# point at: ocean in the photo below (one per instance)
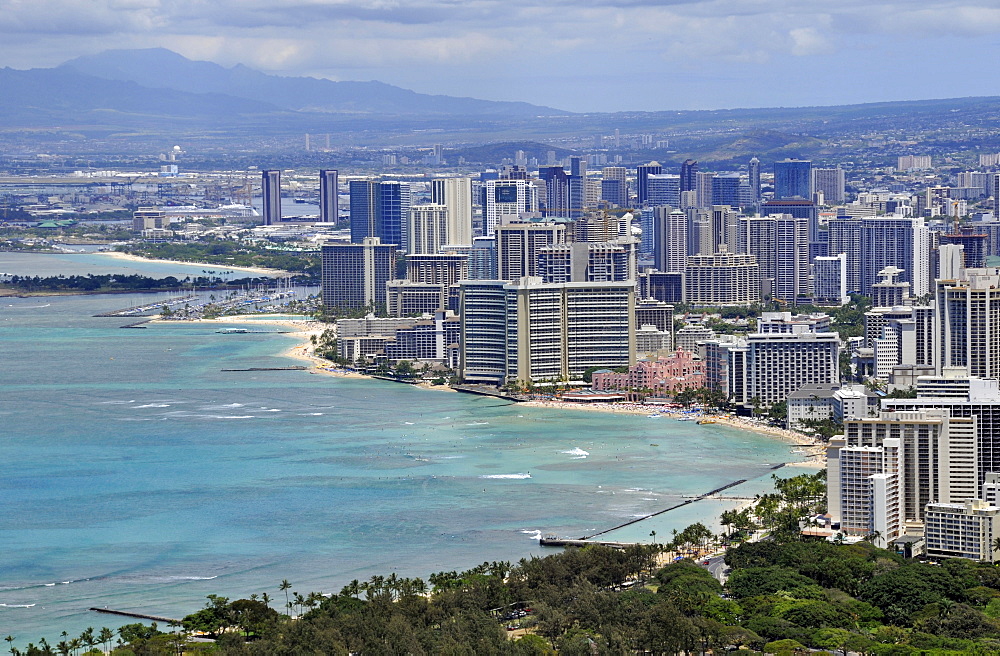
(138, 475)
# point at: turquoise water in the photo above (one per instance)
(98, 263)
(138, 475)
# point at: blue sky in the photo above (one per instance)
(581, 55)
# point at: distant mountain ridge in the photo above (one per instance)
(159, 68)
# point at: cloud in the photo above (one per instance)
(456, 46)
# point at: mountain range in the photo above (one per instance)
(133, 86)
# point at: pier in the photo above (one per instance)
(140, 616)
(297, 367)
(666, 510)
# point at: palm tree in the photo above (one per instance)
(10, 642)
(996, 544)
(285, 586)
(266, 598)
(105, 636)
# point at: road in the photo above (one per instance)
(717, 567)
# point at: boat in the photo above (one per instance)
(707, 421)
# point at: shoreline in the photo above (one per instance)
(813, 453)
(118, 255)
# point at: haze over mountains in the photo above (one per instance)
(155, 94)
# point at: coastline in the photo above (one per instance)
(813, 454)
(277, 273)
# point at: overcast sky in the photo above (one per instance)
(581, 55)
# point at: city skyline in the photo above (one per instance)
(644, 55)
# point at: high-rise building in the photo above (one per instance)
(670, 239)
(558, 331)
(726, 190)
(329, 198)
(962, 530)
(901, 242)
(863, 488)
(899, 336)
(938, 463)
(663, 189)
(754, 179)
(781, 363)
(830, 279)
(964, 398)
(394, 212)
(831, 182)
(508, 197)
(703, 185)
(689, 175)
(780, 245)
(364, 209)
(270, 189)
(793, 179)
(642, 173)
(974, 243)
(456, 195)
(483, 356)
(701, 237)
(518, 245)
(726, 229)
(667, 287)
(556, 191)
(380, 209)
(844, 236)
(586, 262)
(722, 279)
(428, 231)
(800, 209)
(968, 322)
(909, 162)
(530, 331)
(578, 201)
(354, 275)
(614, 189)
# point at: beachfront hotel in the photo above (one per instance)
(532, 331)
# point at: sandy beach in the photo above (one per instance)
(280, 273)
(813, 450)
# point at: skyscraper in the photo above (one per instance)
(556, 191)
(844, 234)
(328, 199)
(670, 239)
(793, 179)
(663, 189)
(577, 187)
(456, 195)
(270, 189)
(689, 175)
(968, 322)
(831, 183)
(394, 212)
(754, 174)
(518, 245)
(354, 275)
(780, 244)
(364, 209)
(642, 172)
(507, 197)
(613, 187)
(703, 185)
(380, 209)
(428, 230)
(901, 242)
(726, 190)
